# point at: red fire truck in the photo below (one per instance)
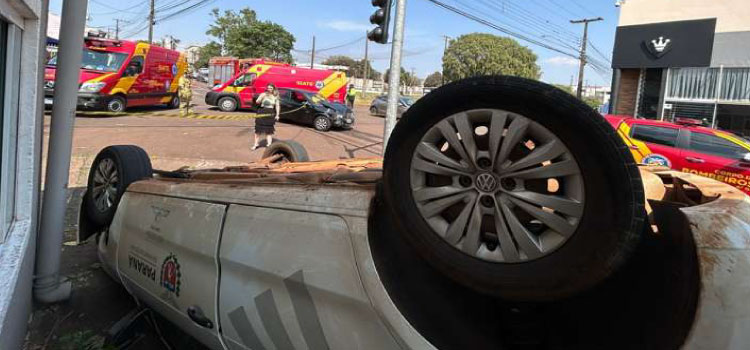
(116, 74)
(241, 90)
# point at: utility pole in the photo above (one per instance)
(582, 58)
(312, 58)
(366, 67)
(151, 23)
(395, 72)
(117, 28)
(447, 39)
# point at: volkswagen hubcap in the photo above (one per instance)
(497, 186)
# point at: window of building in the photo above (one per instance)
(735, 85)
(710, 144)
(693, 83)
(655, 134)
(10, 55)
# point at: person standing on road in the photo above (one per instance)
(351, 95)
(185, 93)
(268, 114)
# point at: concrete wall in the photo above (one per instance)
(732, 15)
(17, 251)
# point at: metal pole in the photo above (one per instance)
(312, 58)
(117, 29)
(445, 49)
(151, 23)
(366, 66)
(47, 285)
(394, 78)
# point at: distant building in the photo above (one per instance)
(688, 58)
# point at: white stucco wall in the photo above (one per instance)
(17, 251)
(732, 15)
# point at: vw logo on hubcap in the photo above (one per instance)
(486, 182)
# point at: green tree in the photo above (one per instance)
(434, 80)
(356, 67)
(242, 35)
(407, 79)
(212, 49)
(486, 54)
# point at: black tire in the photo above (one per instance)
(291, 152)
(131, 164)
(322, 123)
(613, 212)
(373, 111)
(117, 104)
(227, 104)
(174, 103)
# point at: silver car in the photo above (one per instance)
(379, 105)
(521, 221)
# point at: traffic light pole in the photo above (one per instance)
(394, 78)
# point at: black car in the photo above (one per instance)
(310, 108)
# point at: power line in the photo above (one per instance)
(501, 29)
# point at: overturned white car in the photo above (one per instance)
(505, 215)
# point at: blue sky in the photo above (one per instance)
(337, 22)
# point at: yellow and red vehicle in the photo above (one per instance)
(116, 74)
(688, 147)
(241, 90)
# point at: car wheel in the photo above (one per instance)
(373, 111)
(117, 104)
(112, 171)
(289, 152)
(228, 104)
(513, 188)
(322, 123)
(174, 103)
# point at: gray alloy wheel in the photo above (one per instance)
(525, 187)
(116, 105)
(105, 182)
(322, 123)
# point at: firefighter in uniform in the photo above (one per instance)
(186, 95)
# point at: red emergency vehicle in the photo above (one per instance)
(688, 147)
(116, 74)
(245, 86)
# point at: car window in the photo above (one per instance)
(710, 144)
(285, 94)
(655, 134)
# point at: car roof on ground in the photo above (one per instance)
(620, 118)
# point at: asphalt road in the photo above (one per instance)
(163, 134)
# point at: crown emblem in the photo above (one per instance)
(658, 47)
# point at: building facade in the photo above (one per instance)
(22, 42)
(684, 59)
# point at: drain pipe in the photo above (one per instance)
(47, 285)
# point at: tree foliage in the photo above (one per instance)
(356, 67)
(434, 80)
(242, 35)
(593, 102)
(407, 79)
(486, 54)
(205, 53)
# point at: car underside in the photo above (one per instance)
(487, 225)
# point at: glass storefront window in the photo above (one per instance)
(735, 85)
(693, 83)
(10, 55)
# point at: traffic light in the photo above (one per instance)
(381, 18)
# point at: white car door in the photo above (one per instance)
(289, 280)
(167, 257)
